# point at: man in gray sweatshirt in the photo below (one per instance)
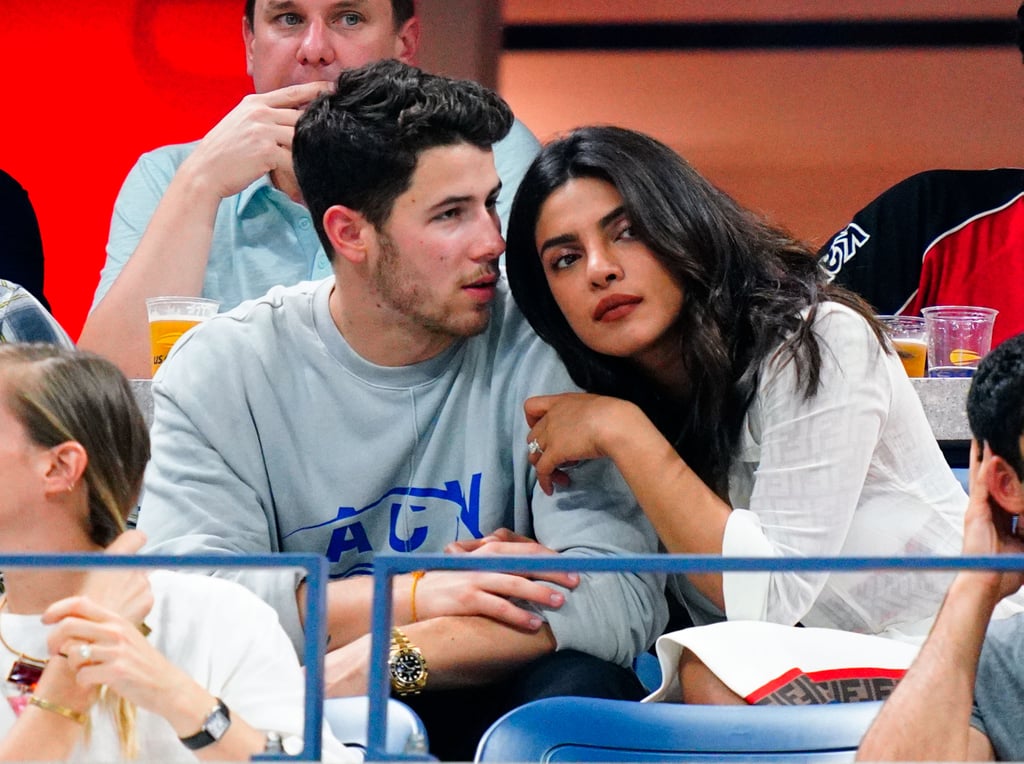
(381, 409)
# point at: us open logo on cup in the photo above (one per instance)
(963, 357)
(171, 317)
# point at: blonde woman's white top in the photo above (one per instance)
(221, 635)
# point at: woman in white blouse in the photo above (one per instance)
(754, 409)
(117, 665)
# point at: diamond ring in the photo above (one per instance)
(534, 448)
(85, 651)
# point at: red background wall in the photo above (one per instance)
(87, 87)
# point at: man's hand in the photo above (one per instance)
(507, 542)
(988, 528)
(253, 139)
(441, 593)
(500, 541)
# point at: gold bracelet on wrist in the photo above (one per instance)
(416, 576)
(67, 713)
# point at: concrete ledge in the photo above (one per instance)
(945, 402)
(143, 390)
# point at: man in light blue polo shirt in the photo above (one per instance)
(222, 217)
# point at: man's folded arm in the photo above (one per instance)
(612, 616)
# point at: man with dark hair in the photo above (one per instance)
(995, 405)
(381, 410)
(963, 698)
(940, 237)
(223, 217)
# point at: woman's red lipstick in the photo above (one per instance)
(615, 306)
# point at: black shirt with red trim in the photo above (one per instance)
(941, 237)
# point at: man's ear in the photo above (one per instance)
(349, 232)
(247, 38)
(407, 41)
(1005, 487)
(65, 465)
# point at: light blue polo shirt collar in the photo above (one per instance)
(252, 189)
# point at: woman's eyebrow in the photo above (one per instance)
(611, 216)
(554, 241)
(569, 238)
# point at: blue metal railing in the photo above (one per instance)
(386, 566)
(315, 567)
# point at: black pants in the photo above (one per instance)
(456, 719)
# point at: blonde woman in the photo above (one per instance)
(111, 666)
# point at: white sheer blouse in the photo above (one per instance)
(854, 470)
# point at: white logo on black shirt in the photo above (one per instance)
(843, 247)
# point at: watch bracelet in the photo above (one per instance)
(401, 643)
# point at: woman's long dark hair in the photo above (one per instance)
(744, 285)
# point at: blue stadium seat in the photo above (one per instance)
(962, 474)
(347, 718)
(648, 671)
(593, 729)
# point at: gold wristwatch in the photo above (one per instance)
(406, 665)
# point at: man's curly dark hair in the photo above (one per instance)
(360, 145)
(995, 402)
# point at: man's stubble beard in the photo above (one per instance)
(404, 296)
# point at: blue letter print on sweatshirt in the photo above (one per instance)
(350, 535)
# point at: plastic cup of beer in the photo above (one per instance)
(171, 317)
(959, 336)
(909, 338)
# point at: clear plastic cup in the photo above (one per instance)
(171, 317)
(909, 337)
(959, 336)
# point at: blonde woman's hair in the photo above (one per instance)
(60, 395)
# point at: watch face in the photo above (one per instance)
(213, 728)
(217, 724)
(407, 668)
(274, 743)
